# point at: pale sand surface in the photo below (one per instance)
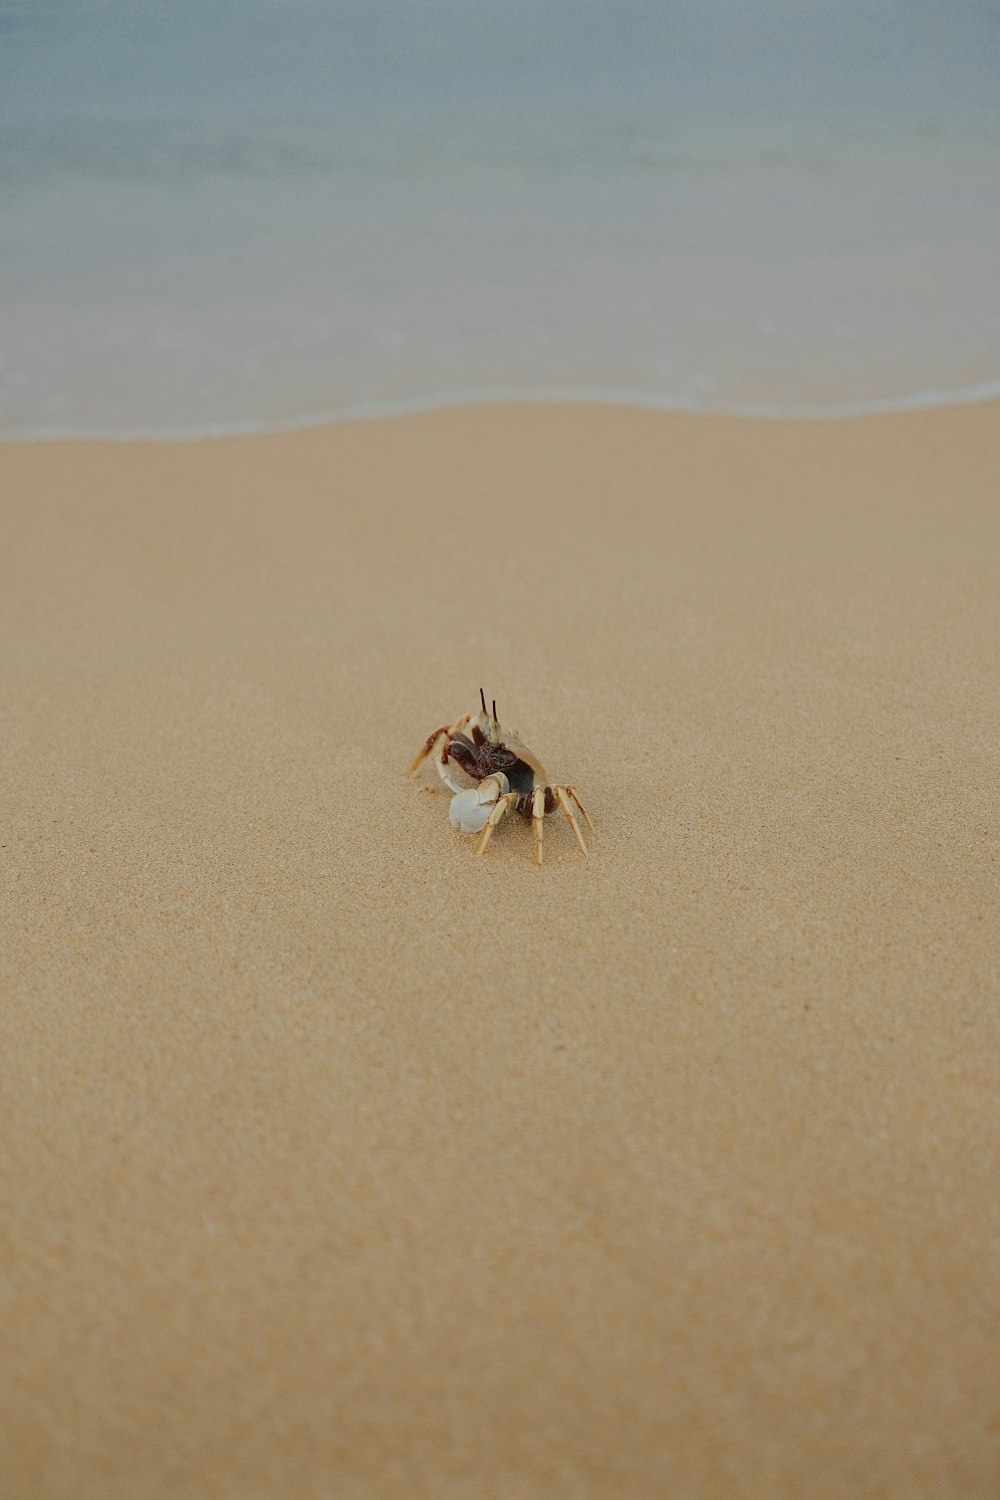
(337, 1163)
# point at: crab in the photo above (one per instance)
(505, 774)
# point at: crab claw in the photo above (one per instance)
(470, 810)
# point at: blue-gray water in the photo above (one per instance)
(246, 211)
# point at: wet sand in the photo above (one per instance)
(337, 1162)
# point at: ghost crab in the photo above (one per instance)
(505, 773)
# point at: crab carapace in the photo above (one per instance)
(504, 773)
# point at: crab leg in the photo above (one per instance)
(560, 792)
(502, 806)
(442, 739)
(441, 758)
(580, 805)
(537, 820)
(429, 744)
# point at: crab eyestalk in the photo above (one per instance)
(489, 723)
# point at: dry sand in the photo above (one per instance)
(338, 1163)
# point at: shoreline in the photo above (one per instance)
(944, 399)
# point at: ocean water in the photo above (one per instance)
(226, 214)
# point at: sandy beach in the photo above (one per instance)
(339, 1163)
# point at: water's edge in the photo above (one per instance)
(928, 400)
